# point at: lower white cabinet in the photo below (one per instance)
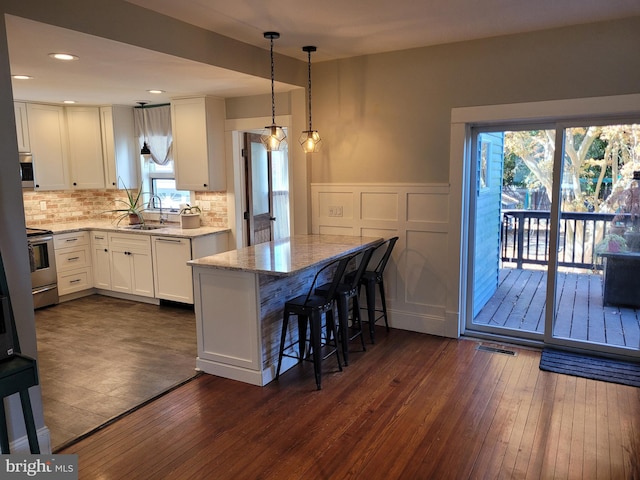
(131, 264)
(73, 262)
(100, 259)
(172, 276)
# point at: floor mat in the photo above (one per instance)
(586, 366)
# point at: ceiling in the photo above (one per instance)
(339, 29)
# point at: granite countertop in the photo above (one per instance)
(287, 256)
(167, 229)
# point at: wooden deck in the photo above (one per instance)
(518, 304)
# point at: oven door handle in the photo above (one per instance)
(43, 289)
(39, 239)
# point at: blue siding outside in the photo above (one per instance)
(487, 218)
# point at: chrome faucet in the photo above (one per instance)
(163, 218)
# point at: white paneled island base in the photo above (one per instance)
(240, 295)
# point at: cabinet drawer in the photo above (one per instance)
(72, 258)
(100, 238)
(131, 242)
(74, 239)
(74, 281)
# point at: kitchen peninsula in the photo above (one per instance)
(239, 297)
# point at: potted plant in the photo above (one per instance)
(190, 216)
(131, 208)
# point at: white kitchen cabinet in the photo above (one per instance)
(172, 276)
(119, 146)
(73, 262)
(85, 147)
(100, 260)
(49, 145)
(131, 264)
(198, 143)
(22, 127)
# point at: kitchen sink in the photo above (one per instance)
(145, 227)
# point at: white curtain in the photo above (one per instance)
(157, 122)
(280, 184)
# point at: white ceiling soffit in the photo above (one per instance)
(110, 72)
(350, 28)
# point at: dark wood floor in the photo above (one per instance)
(412, 406)
(519, 304)
(100, 356)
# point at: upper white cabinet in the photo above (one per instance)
(119, 148)
(198, 143)
(22, 127)
(48, 138)
(85, 147)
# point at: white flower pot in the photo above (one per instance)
(189, 220)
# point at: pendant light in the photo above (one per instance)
(144, 151)
(310, 139)
(273, 137)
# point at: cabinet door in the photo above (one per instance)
(85, 147)
(22, 128)
(171, 273)
(48, 137)
(142, 273)
(119, 146)
(120, 261)
(101, 261)
(198, 143)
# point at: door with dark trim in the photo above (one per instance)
(259, 189)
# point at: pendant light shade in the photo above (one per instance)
(144, 151)
(273, 137)
(310, 139)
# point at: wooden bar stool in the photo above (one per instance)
(310, 309)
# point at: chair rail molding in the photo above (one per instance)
(416, 278)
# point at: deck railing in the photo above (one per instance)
(525, 237)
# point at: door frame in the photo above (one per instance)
(236, 194)
(461, 166)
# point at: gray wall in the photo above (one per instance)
(386, 117)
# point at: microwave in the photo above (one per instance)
(26, 170)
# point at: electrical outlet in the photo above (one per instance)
(43, 205)
(335, 211)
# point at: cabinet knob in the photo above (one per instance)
(75, 184)
(205, 185)
(106, 250)
(37, 186)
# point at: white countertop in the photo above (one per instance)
(168, 229)
(287, 256)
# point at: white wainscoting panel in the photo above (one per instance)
(416, 277)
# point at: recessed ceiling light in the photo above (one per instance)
(63, 56)
(69, 101)
(155, 91)
(22, 77)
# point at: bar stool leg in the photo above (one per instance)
(4, 436)
(384, 303)
(370, 289)
(283, 337)
(356, 313)
(316, 332)
(343, 325)
(29, 423)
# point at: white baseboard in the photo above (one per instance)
(21, 445)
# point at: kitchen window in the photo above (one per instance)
(158, 173)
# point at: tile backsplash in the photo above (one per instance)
(67, 206)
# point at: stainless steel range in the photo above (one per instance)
(44, 281)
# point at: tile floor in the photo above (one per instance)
(100, 356)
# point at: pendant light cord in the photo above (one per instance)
(309, 53)
(273, 94)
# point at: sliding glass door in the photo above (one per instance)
(596, 291)
(553, 252)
